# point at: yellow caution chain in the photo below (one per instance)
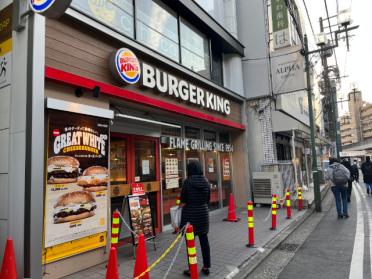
(166, 252)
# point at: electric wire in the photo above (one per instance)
(308, 17)
(330, 29)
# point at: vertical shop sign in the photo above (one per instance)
(279, 15)
(5, 46)
(75, 218)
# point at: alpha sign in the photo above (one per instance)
(125, 66)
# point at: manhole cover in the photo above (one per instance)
(290, 247)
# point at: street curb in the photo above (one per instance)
(248, 266)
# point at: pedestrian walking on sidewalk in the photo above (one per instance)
(195, 196)
(337, 176)
(355, 171)
(367, 174)
(347, 165)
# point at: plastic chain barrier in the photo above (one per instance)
(288, 204)
(273, 213)
(191, 252)
(250, 224)
(115, 228)
(166, 252)
(299, 194)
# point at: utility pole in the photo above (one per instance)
(317, 197)
(332, 93)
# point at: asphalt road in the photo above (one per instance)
(337, 248)
(324, 246)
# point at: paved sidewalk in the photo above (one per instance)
(227, 240)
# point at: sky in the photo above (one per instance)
(355, 64)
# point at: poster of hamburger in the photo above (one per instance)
(140, 216)
(77, 178)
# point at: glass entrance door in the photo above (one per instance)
(135, 159)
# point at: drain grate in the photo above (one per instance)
(290, 247)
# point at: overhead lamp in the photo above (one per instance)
(321, 39)
(344, 17)
(121, 115)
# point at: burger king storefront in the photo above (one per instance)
(121, 124)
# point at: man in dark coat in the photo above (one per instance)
(350, 182)
(355, 171)
(195, 196)
(367, 174)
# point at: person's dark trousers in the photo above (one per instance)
(206, 254)
(340, 193)
(349, 188)
(204, 245)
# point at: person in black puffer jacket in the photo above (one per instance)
(195, 196)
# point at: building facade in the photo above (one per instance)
(274, 84)
(111, 100)
(356, 124)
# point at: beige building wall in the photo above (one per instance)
(366, 119)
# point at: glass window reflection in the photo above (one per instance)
(194, 50)
(157, 27)
(117, 14)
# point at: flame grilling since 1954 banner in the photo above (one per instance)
(75, 218)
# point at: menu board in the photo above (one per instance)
(171, 173)
(226, 168)
(76, 184)
(140, 216)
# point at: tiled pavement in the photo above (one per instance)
(227, 240)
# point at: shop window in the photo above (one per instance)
(145, 160)
(194, 49)
(172, 177)
(170, 131)
(192, 133)
(118, 161)
(211, 173)
(226, 182)
(217, 72)
(210, 136)
(224, 138)
(157, 27)
(116, 14)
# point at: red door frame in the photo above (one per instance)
(131, 167)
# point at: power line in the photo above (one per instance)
(308, 17)
(330, 29)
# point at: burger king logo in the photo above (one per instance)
(127, 66)
(40, 6)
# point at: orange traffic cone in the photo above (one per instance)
(231, 215)
(112, 266)
(8, 269)
(141, 259)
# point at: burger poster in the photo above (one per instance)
(77, 177)
(140, 216)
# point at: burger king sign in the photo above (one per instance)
(126, 66)
(50, 8)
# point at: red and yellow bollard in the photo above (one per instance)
(115, 229)
(191, 252)
(273, 213)
(250, 224)
(288, 204)
(299, 195)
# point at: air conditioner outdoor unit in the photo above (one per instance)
(265, 184)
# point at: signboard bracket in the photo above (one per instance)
(20, 12)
